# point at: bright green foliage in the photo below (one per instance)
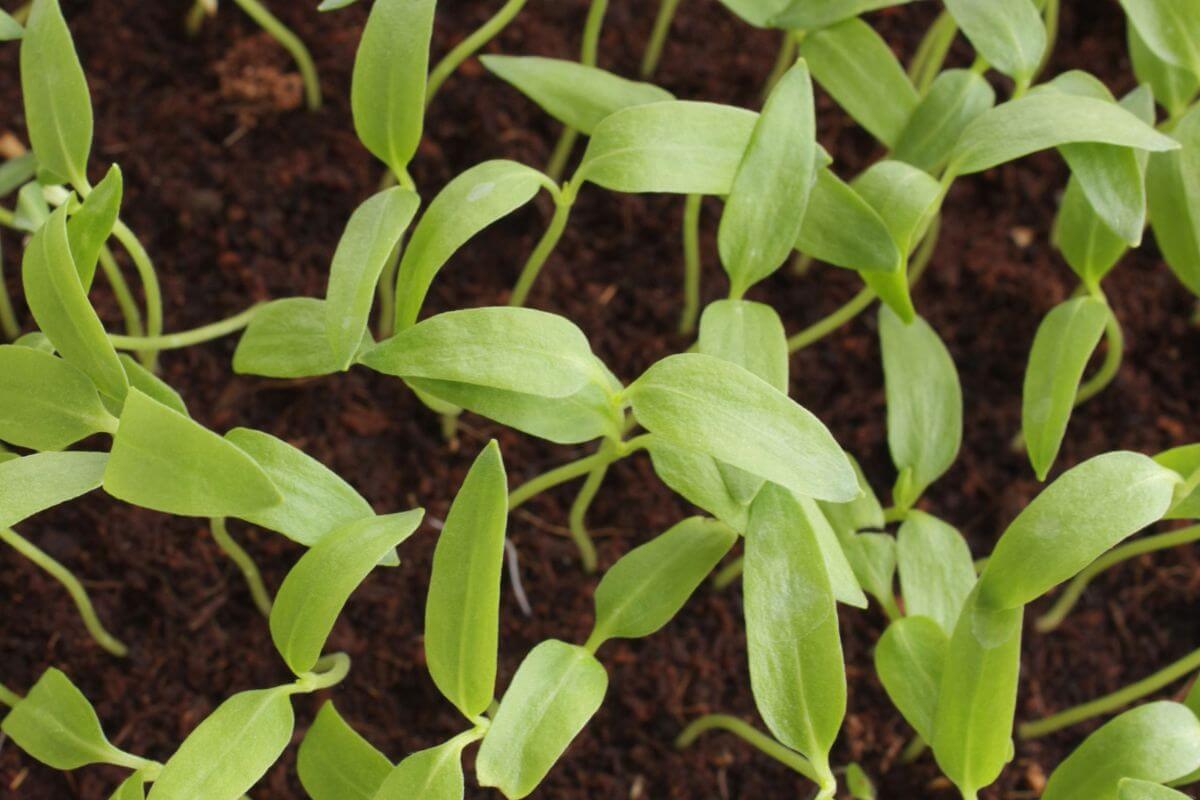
(862, 513)
(858, 784)
(841, 227)
(43, 480)
(1088, 245)
(1186, 462)
(1009, 34)
(936, 570)
(909, 659)
(650, 583)
(1170, 29)
(1075, 519)
(813, 14)
(336, 763)
(472, 201)
(387, 94)
(1064, 343)
(1173, 182)
(57, 725)
(287, 339)
(699, 479)
(1156, 742)
(680, 147)
(1133, 789)
(32, 209)
(954, 99)
(924, 404)
(1173, 86)
(370, 237)
(151, 385)
(766, 206)
(796, 670)
(90, 226)
(46, 403)
(435, 773)
(577, 95)
(556, 690)
(855, 65)
(164, 460)
(872, 557)
(58, 108)
(972, 726)
(231, 749)
(715, 407)
(757, 12)
(10, 29)
(462, 614)
(133, 787)
(316, 589)
(62, 310)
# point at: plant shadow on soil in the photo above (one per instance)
(240, 195)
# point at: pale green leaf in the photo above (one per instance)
(45, 402)
(909, 660)
(10, 29)
(840, 227)
(858, 784)
(1185, 461)
(133, 787)
(748, 334)
(336, 763)
(1075, 519)
(34, 483)
(862, 513)
(15, 172)
(872, 558)
(1170, 28)
(1174, 87)
(286, 339)
(556, 690)
(435, 774)
(318, 586)
(936, 569)
(954, 99)
(1173, 183)
(89, 227)
(1008, 33)
(699, 479)
(814, 14)
(166, 461)
(1089, 246)
(150, 384)
(1134, 789)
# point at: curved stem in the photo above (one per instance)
(1074, 590)
(1115, 338)
(691, 263)
(783, 62)
(556, 476)
(751, 736)
(74, 588)
(329, 671)
(545, 246)
(1111, 702)
(587, 57)
(239, 556)
(8, 697)
(291, 42)
(175, 341)
(562, 151)
(577, 516)
(121, 291)
(658, 37)
(931, 53)
(150, 287)
(469, 46)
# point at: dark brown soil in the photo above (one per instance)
(240, 196)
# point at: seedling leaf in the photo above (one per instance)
(909, 659)
(336, 763)
(435, 773)
(840, 227)
(286, 339)
(936, 569)
(40, 481)
(90, 226)
(46, 403)
(954, 99)
(1173, 182)
(1170, 29)
(1008, 33)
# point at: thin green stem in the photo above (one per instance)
(121, 291)
(751, 736)
(239, 556)
(175, 341)
(557, 164)
(658, 37)
(291, 42)
(542, 251)
(329, 671)
(587, 56)
(150, 287)
(469, 46)
(1115, 339)
(555, 477)
(1112, 702)
(1074, 590)
(74, 588)
(8, 697)
(784, 60)
(691, 263)
(576, 519)
(931, 53)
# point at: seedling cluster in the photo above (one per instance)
(716, 421)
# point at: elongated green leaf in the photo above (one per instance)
(468, 204)
(872, 557)
(837, 557)
(316, 501)
(1088, 245)
(435, 773)
(387, 93)
(1064, 343)
(150, 384)
(1156, 742)
(374, 230)
(972, 726)
(46, 403)
(795, 652)
(556, 690)
(575, 94)
(680, 147)
(10, 29)
(954, 99)
(1173, 183)
(1042, 120)
(1170, 28)
(90, 226)
(814, 14)
(314, 591)
(1008, 33)
(1133, 789)
(936, 569)
(1075, 519)
(57, 725)
(757, 12)
(286, 339)
(336, 763)
(1174, 87)
(715, 407)
(231, 749)
(909, 659)
(855, 65)
(462, 614)
(16, 172)
(765, 208)
(698, 478)
(649, 584)
(924, 404)
(133, 787)
(862, 513)
(62, 310)
(165, 461)
(35, 483)
(58, 108)
(1185, 461)
(858, 783)
(840, 227)
(513, 349)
